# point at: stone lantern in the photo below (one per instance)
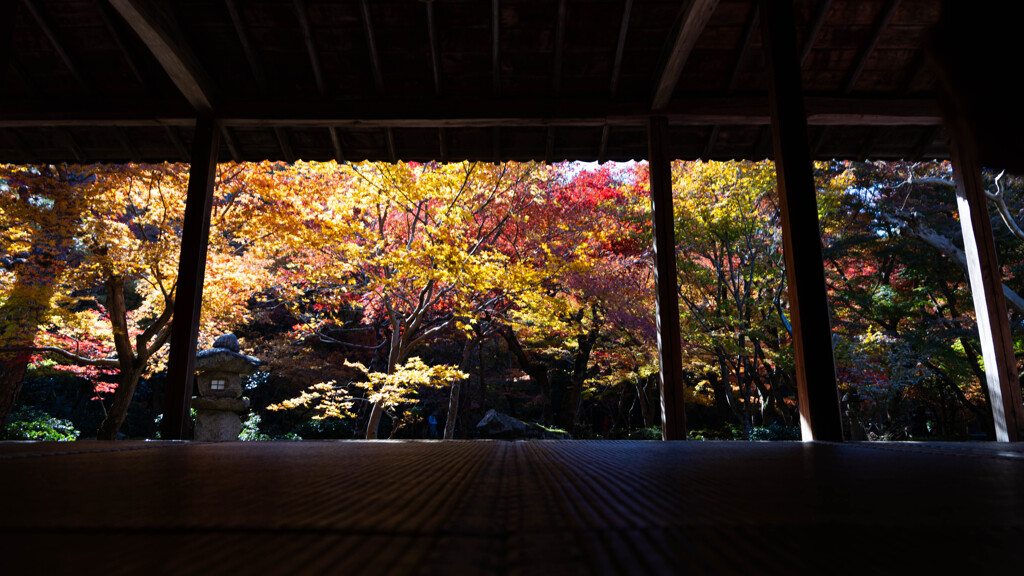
(220, 403)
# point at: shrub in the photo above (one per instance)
(31, 424)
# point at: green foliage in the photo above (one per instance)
(775, 432)
(31, 424)
(727, 432)
(251, 431)
(652, 433)
(159, 420)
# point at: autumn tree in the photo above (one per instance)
(119, 295)
(411, 246)
(41, 210)
(589, 244)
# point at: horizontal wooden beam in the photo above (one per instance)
(734, 111)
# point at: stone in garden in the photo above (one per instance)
(497, 425)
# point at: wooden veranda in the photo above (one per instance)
(204, 81)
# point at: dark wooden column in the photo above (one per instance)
(188, 297)
(817, 392)
(987, 288)
(673, 413)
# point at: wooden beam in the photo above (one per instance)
(72, 145)
(817, 392)
(311, 50)
(812, 33)
(339, 151)
(670, 351)
(556, 73)
(50, 31)
(114, 25)
(865, 54)
(371, 45)
(694, 18)
(496, 144)
(15, 141)
(188, 294)
(602, 149)
(389, 140)
(549, 146)
(435, 51)
(927, 137)
(246, 41)
(8, 12)
(175, 138)
(129, 147)
(442, 144)
(709, 145)
(495, 48)
(620, 47)
(985, 275)
(229, 141)
(285, 143)
(741, 51)
(725, 111)
(159, 33)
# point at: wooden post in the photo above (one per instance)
(987, 289)
(673, 412)
(188, 296)
(817, 392)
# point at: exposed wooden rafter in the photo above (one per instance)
(72, 145)
(229, 141)
(286, 144)
(114, 25)
(46, 25)
(8, 11)
(620, 47)
(556, 74)
(246, 41)
(694, 18)
(435, 51)
(495, 48)
(865, 53)
(741, 51)
(311, 49)
(175, 138)
(371, 46)
(126, 143)
(812, 33)
(160, 34)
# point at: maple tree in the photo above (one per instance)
(118, 296)
(411, 246)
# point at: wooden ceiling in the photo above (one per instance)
(92, 80)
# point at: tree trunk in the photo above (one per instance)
(127, 381)
(645, 405)
(12, 373)
(453, 399)
(571, 400)
(376, 411)
(537, 371)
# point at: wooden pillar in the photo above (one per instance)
(673, 412)
(987, 289)
(818, 395)
(191, 271)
